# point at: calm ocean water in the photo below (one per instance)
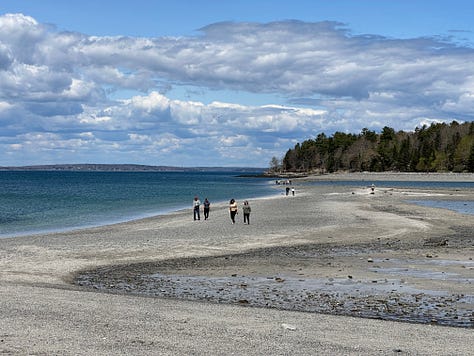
(32, 202)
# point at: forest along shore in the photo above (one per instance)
(439, 148)
(334, 250)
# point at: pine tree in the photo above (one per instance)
(470, 161)
(439, 147)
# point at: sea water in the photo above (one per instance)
(47, 201)
(460, 206)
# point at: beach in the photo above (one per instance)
(297, 280)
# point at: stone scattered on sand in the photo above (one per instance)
(288, 327)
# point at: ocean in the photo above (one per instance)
(50, 201)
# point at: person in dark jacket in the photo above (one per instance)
(246, 210)
(207, 208)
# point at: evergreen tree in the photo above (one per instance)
(470, 161)
(439, 147)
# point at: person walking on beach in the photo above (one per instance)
(207, 208)
(233, 209)
(246, 209)
(196, 205)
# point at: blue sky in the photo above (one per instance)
(222, 83)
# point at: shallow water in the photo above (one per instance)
(461, 206)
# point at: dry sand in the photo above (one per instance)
(185, 287)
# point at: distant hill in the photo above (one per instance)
(126, 168)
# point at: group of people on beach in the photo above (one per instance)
(197, 207)
(233, 210)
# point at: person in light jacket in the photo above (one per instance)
(196, 205)
(233, 209)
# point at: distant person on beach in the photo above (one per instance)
(246, 210)
(293, 191)
(233, 209)
(287, 190)
(207, 208)
(196, 205)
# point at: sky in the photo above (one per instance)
(223, 83)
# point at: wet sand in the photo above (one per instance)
(291, 282)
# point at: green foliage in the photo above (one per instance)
(470, 161)
(440, 147)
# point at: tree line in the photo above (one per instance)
(440, 147)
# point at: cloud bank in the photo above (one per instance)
(70, 98)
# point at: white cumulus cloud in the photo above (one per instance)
(113, 99)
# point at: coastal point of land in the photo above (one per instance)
(331, 270)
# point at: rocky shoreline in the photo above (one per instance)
(282, 287)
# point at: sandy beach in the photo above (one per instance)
(331, 270)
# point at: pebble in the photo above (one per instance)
(288, 327)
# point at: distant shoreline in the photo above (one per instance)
(126, 168)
